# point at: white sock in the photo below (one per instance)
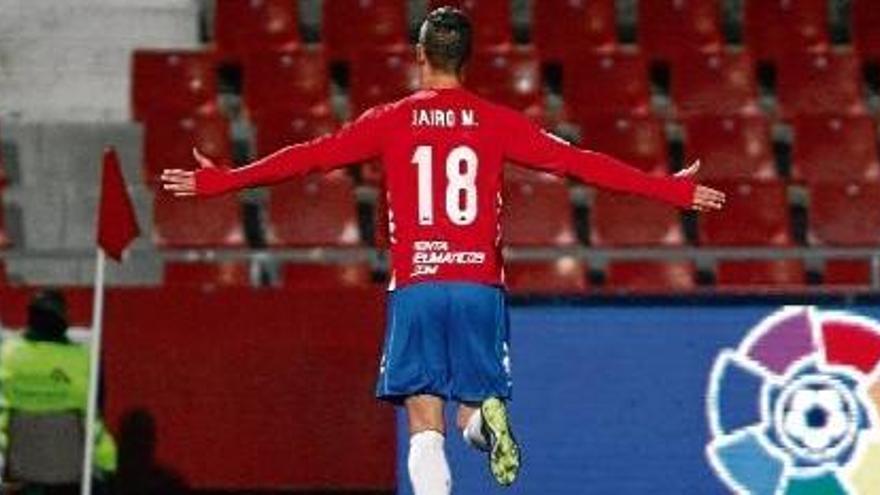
(428, 469)
(473, 432)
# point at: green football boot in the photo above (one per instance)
(504, 454)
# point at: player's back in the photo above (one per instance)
(443, 162)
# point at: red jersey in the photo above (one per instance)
(443, 152)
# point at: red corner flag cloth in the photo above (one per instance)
(117, 224)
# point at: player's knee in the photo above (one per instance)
(464, 416)
(425, 413)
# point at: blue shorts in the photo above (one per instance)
(446, 339)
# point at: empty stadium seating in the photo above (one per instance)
(772, 274)
(537, 212)
(207, 274)
(625, 220)
(562, 27)
(203, 223)
(295, 82)
(566, 275)
(637, 140)
(714, 83)
(835, 148)
(4, 280)
(242, 27)
(310, 276)
(845, 214)
(866, 29)
(275, 131)
(169, 143)
(509, 76)
(173, 83)
(491, 19)
(606, 83)
(670, 29)
(318, 210)
(776, 28)
(651, 276)
(847, 272)
(730, 147)
(810, 83)
(382, 75)
(362, 23)
(756, 214)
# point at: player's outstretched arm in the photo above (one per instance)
(358, 141)
(529, 145)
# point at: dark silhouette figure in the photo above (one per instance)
(138, 472)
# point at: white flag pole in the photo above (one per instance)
(94, 372)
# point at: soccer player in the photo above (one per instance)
(443, 151)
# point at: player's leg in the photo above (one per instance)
(415, 373)
(470, 422)
(479, 356)
(427, 465)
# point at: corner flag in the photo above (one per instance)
(117, 227)
(117, 224)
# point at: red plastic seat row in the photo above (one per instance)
(717, 83)
(168, 142)
(835, 148)
(866, 29)
(756, 214)
(243, 27)
(509, 76)
(173, 83)
(300, 276)
(670, 29)
(730, 146)
(819, 83)
(845, 214)
(613, 82)
(775, 29)
(351, 25)
(561, 27)
(294, 81)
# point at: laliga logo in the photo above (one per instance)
(795, 409)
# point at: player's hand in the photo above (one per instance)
(705, 198)
(183, 182)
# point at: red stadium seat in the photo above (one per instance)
(845, 214)
(846, 272)
(625, 220)
(294, 81)
(560, 27)
(169, 143)
(172, 83)
(309, 276)
(776, 28)
(537, 212)
(866, 29)
(652, 276)
(382, 75)
(565, 275)
(756, 214)
(207, 274)
(714, 83)
(730, 147)
(203, 223)
(491, 19)
(637, 140)
(5, 241)
(509, 76)
(350, 25)
(275, 131)
(835, 148)
(606, 83)
(669, 29)
(4, 280)
(242, 27)
(318, 210)
(824, 83)
(769, 274)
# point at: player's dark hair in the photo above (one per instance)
(446, 38)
